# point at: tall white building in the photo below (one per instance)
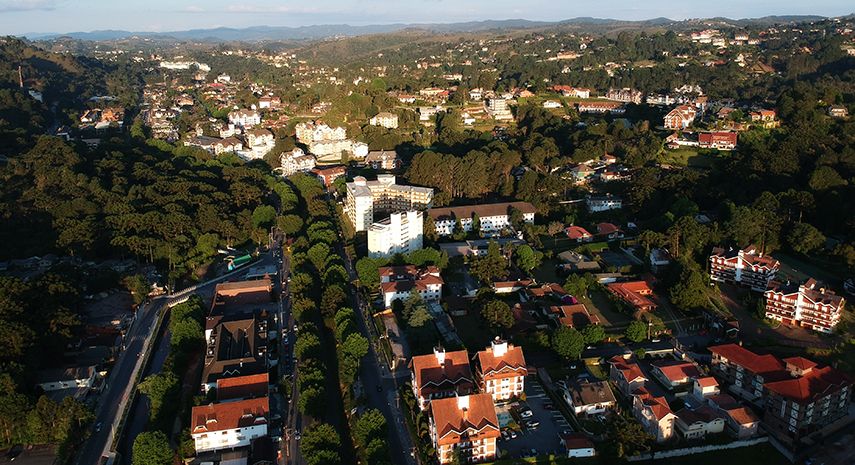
(401, 232)
(364, 198)
(244, 118)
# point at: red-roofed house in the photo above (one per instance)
(743, 371)
(609, 231)
(704, 387)
(578, 445)
(808, 305)
(501, 370)
(634, 293)
(465, 423)
(722, 140)
(574, 316)
(626, 375)
(441, 374)
(578, 234)
(397, 282)
(654, 413)
(675, 373)
(745, 267)
(229, 424)
(680, 117)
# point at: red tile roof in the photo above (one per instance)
(707, 381)
(574, 315)
(229, 415)
(476, 422)
(432, 376)
(513, 361)
(813, 384)
(607, 228)
(677, 371)
(577, 232)
(242, 387)
(634, 293)
(630, 371)
(800, 363)
(758, 364)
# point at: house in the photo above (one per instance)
(698, 423)
(601, 203)
(329, 174)
(675, 373)
(508, 285)
(399, 233)
(626, 375)
(397, 282)
(259, 137)
(745, 267)
(609, 231)
(227, 145)
(493, 217)
(551, 104)
(501, 370)
(385, 119)
(600, 107)
(740, 421)
(382, 159)
(680, 117)
(66, 378)
(440, 375)
(296, 161)
(229, 425)
(659, 259)
(242, 387)
(809, 305)
(574, 316)
(547, 290)
(589, 398)
(578, 234)
(743, 372)
(581, 173)
(838, 111)
(634, 293)
(244, 118)
(704, 386)
(467, 424)
(808, 399)
(578, 445)
(476, 93)
(721, 140)
(654, 414)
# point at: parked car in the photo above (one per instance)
(548, 406)
(526, 413)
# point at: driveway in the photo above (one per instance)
(544, 438)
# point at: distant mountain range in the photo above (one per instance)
(264, 33)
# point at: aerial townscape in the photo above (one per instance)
(426, 242)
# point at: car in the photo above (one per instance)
(295, 327)
(532, 424)
(513, 434)
(656, 340)
(548, 406)
(526, 413)
(297, 436)
(98, 426)
(506, 435)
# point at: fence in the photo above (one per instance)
(697, 450)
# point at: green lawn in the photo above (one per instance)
(688, 158)
(599, 302)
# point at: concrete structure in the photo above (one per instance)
(66, 378)
(401, 232)
(680, 118)
(654, 414)
(501, 370)
(626, 375)
(493, 217)
(746, 267)
(440, 375)
(698, 423)
(365, 198)
(468, 424)
(809, 305)
(229, 425)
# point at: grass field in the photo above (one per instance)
(688, 158)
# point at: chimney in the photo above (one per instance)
(499, 347)
(439, 353)
(463, 404)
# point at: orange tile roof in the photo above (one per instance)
(513, 361)
(812, 385)
(800, 363)
(431, 376)
(758, 364)
(242, 387)
(707, 381)
(633, 292)
(574, 315)
(742, 415)
(453, 424)
(677, 371)
(630, 371)
(229, 415)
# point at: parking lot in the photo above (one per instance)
(544, 438)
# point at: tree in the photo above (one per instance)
(368, 271)
(578, 285)
(152, 448)
(497, 314)
(628, 436)
(554, 228)
(636, 331)
(491, 266)
(568, 343)
(593, 333)
(417, 314)
(160, 388)
(804, 238)
(138, 286)
(263, 216)
(320, 445)
(430, 229)
(290, 224)
(527, 258)
(476, 225)
(690, 292)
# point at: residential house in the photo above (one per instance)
(398, 282)
(578, 445)
(809, 305)
(229, 425)
(382, 159)
(609, 231)
(227, 145)
(578, 234)
(838, 111)
(659, 259)
(66, 378)
(698, 423)
(625, 95)
(745, 267)
(501, 370)
(635, 293)
(704, 386)
(467, 424)
(440, 375)
(574, 316)
(675, 373)
(242, 387)
(601, 203)
(493, 217)
(385, 119)
(626, 375)
(680, 118)
(551, 104)
(654, 414)
(740, 421)
(589, 398)
(764, 118)
(721, 140)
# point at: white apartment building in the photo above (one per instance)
(228, 425)
(498, 109)
(398, 282)
(493, 217)
(364, 198)
(401, 232)
(244, 118)
(385, 119)
(315, 131)
(603, 203)
(501, 370)
(296, 161)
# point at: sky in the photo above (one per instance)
(27, 16)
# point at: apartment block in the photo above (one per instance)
(746, 267)
(440, 375)
(493, 216)
(809, 305)
(468, 424)
(367, 198)
(501, 370)
(401, 232)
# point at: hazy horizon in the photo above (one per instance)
(19, 17)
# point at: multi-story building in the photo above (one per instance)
(440, 375)
(229, 425)
(467, 424)
(244, 118)
(400, 232)
(398, 282)
(501, 370)
(675, 373)
(722, 140)
(808, 305)
(745, 267)
(382, 159)
(601, 203)
(365, 198)
(385, 119)
(497, 108)
(808, 400)
(316, 131)
(654, 414)
(296, 161)
(625, 95)
(680, 118)
(493, 217)
(744, 372)
(626, 375)
(234, 348)
(329, 174)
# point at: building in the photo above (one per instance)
(382, 159)
(66, 378)
(365, 198)
(808, 305)
(601, 107)
(398, 282)
(574, 316)
(242, 387)
(498, 109)
(609, 231)
(635, 293)
(385, 119)
(602, 203)
(578, 445)
(234, 348)
(227, 145)
(329, 174)
(501, 370)
(493, 217)
(229, 425)
(705, 386)
(680, 118)
(675, 373)
(590, 398)
(698, 423)
(626, 375)
(260, 138)
(659, 259)
(578, 234)
(317, 131)
(244, 118)
(296, 161)
(745, 267)
(401, 232)
(654, 414)
(809, 399)
(721, 140)
(625, 95)
(440, 375)
(740, 421)
(743, 372)
(468, 424)
(838, 111)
